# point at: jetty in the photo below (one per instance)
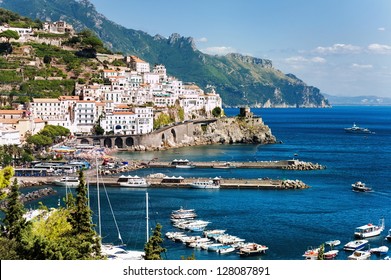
(280, 164)
(229, 183)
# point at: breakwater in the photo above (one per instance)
(281, 164)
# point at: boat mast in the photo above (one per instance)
(97, 189)
(147, 217)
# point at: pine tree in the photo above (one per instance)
(14, 222)
(152, 248)
(81, 221)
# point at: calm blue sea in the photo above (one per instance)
(288, 222)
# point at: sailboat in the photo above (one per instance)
(111, 251)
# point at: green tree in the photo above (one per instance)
(81, 221)
(9, 34)
(153, 247)
(5, 180)
(14, 222)
(216, 112)
(321, 252)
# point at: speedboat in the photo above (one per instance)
(132, 181)
(250, 249)
(360, 255)
(311, 254)
(226, 249)
(360, 187)
(330, 254)
(355, 245)
(369, 230)
(67, 182)
(382, 250)
(357, 129)
(333, 243)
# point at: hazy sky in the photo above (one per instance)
(343, 47)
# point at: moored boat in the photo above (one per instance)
(382, 250)
(355, 245)
(330, 254)
(311, 253)
(252, 249)
(132, 181)
(369, 230)
(388, 237)
(207, 184)
(360, 255)
(67, 182)
(333, 243)
(360, 187)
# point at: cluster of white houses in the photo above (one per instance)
(124, 104)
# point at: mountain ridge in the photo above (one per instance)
(240, 79)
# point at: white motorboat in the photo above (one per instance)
(207, 184)
(113, 252)
(311, 253)
(369, 230)
(333, 243)
(132, 181)
(355, 245)
(226, 249)
(360, 187)
(67, 182)
(250, 249)
(330, 254)
(360, 255)
(382, 250)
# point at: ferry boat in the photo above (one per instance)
(357, 129)
(67, 182)
(355, 245)
(207, 184)
(360, 187)
(132, 181)
(369, 230)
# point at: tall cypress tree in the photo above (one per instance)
(81, 221)
(14, 222)
(152, 248)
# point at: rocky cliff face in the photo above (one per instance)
(234, 130)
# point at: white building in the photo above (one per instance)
(86, 116)
(9, 135)
(129, 122)
(137, 64)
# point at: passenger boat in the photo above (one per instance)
(330, 254)
(360, 255)
(250, 249)
(355, 245)
(132, 181)
(369, 230)
(208, 184)
(382, 250)
(360, 187)
(67, 182)
(357, 129)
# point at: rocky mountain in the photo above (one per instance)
(365, 100)
(240, 79)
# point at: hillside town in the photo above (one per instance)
(126, 103)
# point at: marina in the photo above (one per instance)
(287, 222)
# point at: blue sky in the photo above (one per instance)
(343, 47)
